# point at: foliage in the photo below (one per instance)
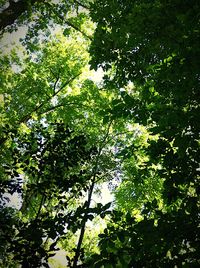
(51, 161)
(63, 135)
(53, 144)
(152, 44)
(41, 14)
(141, 182)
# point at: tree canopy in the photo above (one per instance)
(100, 95)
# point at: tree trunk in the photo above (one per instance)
(14, 11)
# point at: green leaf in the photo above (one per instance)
(106, 119)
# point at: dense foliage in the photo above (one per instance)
(155, 45)
(66, 133)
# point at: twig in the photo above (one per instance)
(27, 117)
(63, 105)
(82, 5)
(78, 29)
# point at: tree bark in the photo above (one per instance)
(80, 241)
(14, 11)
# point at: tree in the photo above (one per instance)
(63, 134)
(39, 17)
(50, 159)
(18, 10)
(152, 44)
(13, 11)
(53, 147)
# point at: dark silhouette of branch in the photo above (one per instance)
(63, 20)
(78, 248)
(78, 29)
(95, 171)
(14, 11)
(82, 5)
(43, 198)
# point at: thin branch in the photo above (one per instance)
(62, 19)
(16, 9)
(57, 79)
(82, 5)
(27, 201)
(90, 192)
(40, 206)
(100, 177)
(66, 83)
(118, 134)
(78, 29)
(63, 105)
(55, 84)
(27, 117)
(55, 76)
(78, 248)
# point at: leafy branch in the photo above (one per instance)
(41, 105)
(27, 117)
(77, 29)
(82, 5)
(63, 105)
(67, 22)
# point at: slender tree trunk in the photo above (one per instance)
(80, 241)
(78, 249)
